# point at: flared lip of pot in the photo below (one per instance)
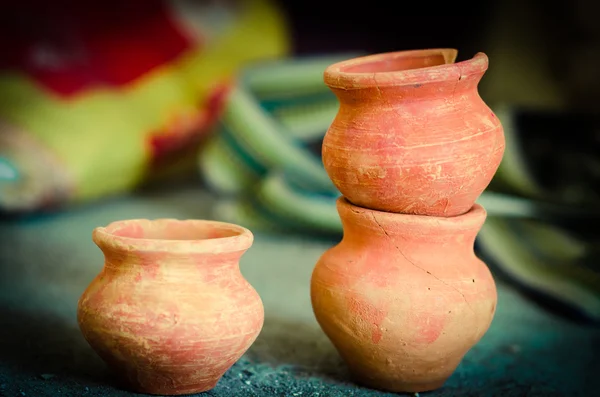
(236, 238)
(337, 76)
(474, 218)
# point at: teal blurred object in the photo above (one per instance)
(544, 207)
(8, 172)
(265, 158)
(265, 164)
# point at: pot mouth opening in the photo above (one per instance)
(399, 62)
(173, 235)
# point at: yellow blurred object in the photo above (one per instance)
(100, 140)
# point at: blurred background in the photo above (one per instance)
(105, 100)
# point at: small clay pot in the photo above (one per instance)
(412, 134)
(170, 311)
(403, 297)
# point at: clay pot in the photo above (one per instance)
(403, 297)
(412, 134)
(170, 311)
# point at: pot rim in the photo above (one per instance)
(238, 239)
(335, 75)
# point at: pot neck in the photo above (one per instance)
(119, 259)
(419, 232)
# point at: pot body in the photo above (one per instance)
(412, 134)
(403, 297)
(170, 311)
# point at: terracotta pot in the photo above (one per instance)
(403, 297)
(170, 311)
(412, 134)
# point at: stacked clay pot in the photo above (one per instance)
(403, 296)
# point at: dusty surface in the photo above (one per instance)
(46, 263)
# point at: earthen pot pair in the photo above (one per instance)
(412, 134)
(170, 311)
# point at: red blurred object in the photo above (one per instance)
(69, 46)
